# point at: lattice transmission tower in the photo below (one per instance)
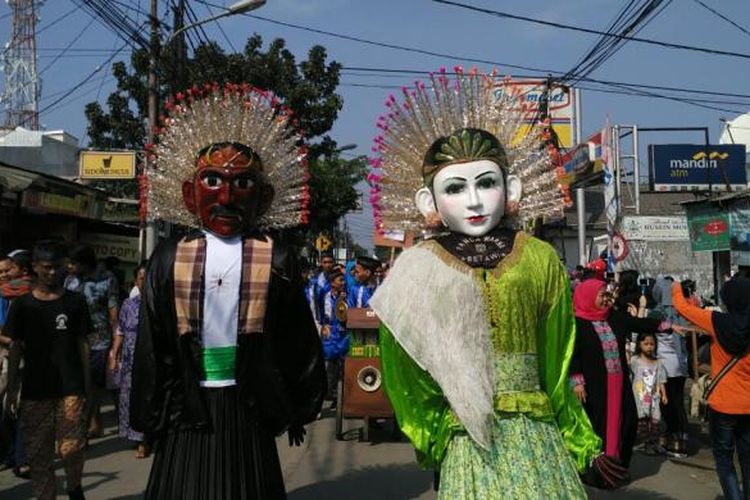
(20, 97)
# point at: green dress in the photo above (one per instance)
(475, 363)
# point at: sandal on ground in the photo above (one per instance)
(22, 471)
(141, 451)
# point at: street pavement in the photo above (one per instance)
(383, 468)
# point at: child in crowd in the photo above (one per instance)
(649, 379)
(333, 331)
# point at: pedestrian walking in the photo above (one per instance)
(49, 329)
(16, 282)
(673, 354)
(728, 394)
(121, 361)
(364, 275)
(102, 296)
(333, 332)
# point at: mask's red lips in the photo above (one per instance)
(477, 219)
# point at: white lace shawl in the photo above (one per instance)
(436, 313)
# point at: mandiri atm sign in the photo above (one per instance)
(107, 165)
(695, 167)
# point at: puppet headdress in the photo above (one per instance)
(229, 114)
(470, 117)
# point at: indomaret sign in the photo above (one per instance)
(107, 165)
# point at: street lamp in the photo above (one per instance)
(148, 240)
(236, 8)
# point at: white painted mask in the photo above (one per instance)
(469, 197)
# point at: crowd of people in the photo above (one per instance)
(68, 331)
(632, 361)
(66, 345)
(330, 290)
(629, 366)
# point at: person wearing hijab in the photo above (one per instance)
(729, 401)
(672, 352)
(598, 370)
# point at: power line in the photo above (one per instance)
(506, 15)
(61, 92)
(365, 41)
(702, 103)
(722, 16)
(398, 72)
(221, 29)
(82, 82)
(416, 50)
(73, 49)
(59, 19)
(62, 53)
(623, 25)
(117, 21)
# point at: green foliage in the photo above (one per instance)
(308, 88)
(332, 192)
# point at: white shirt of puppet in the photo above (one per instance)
(221, 295)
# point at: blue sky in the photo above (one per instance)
(427, 25)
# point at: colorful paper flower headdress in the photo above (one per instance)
(471, 117)
(238, 114)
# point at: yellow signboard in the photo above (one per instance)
(107, 165)
(528, 96)
(322, 243)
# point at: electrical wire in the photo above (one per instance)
(117, 21)
(221, 29)
(91, 75)
(622, 26)
(59, 19)
(398, 72)
(702, 103)
(506, 15)
(64, 51)
(722, 16)
(418, 50)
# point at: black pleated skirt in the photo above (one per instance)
(234, 460)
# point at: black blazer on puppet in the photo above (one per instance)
(280, 373)
(588, 359)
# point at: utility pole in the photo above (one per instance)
(179, 78)
(149, 242)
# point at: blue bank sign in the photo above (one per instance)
(693, 167)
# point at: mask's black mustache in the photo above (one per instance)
(221, 210)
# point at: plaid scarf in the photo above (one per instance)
(189, 267)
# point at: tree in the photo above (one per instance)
(308, 88)
(331, 189)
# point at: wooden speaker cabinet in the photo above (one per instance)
(363, 389)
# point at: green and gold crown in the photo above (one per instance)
(464, 145)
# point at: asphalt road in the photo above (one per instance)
(384, 468)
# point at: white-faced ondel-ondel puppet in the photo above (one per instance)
(478, 327)
(227, 355)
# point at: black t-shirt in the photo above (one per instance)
(50, 331)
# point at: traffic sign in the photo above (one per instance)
(322, 243)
